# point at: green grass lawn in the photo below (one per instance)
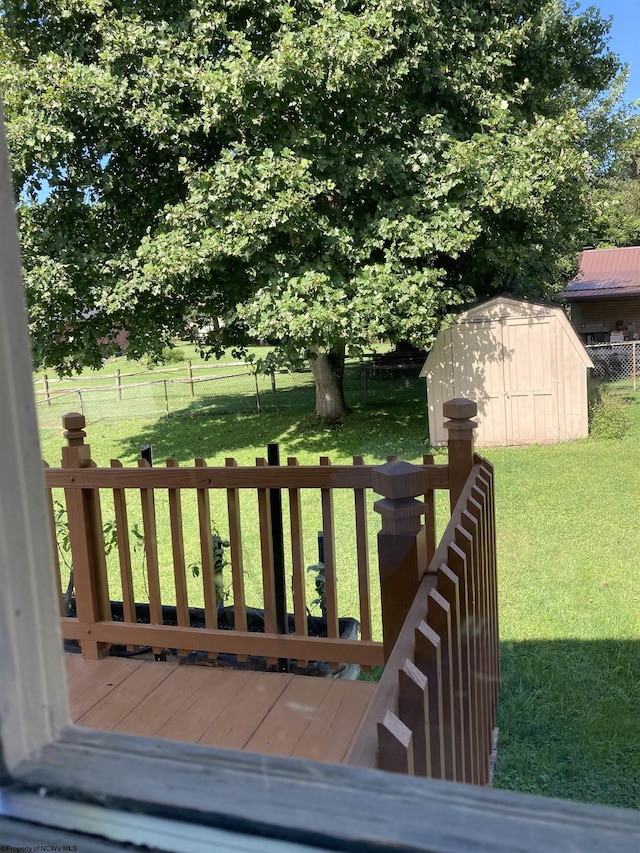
(569, 584)
(215, 387)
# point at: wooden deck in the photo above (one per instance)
(275, 713)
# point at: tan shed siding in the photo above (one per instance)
(562, 392)
(440, 385)
(608, 311)
(573, 380)
(484, 382)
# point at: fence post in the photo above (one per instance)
(118, 385)
(190, 378)
(86, 538)
(47, 394)
(460, 443)
(401, 543)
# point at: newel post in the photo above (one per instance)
(86, 539)
(460, 443)
(401, 543)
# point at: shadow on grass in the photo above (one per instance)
(392, 423)
(569, 720)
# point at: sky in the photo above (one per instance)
(624, 36)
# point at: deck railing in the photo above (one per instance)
(84, 486)
(433, 713)
(434, 710)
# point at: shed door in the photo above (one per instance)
(530, 370)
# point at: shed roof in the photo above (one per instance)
(606, 274)
(503, 307)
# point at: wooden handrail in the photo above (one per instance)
(240, 477)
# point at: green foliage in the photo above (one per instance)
(63, 544)
(168, 355)
(315, 173)
(220, 562)
(616, 198)
(608, 413)
(321, 588)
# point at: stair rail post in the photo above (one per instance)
(86, 539)
(460, 425)
(401, 542)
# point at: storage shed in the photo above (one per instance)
(524, 365)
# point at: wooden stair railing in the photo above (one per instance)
(433, 713)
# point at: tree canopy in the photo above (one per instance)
(320, 174)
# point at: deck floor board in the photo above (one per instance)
(273, 713)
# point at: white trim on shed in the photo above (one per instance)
(523, 364)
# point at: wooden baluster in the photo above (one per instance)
(439, 619)
(428, 658)
(209, 580)
(237, 559)
(413, 710)
(460, 443)
(266, 549)
(401, 543)
(124, 553)
(297, 562)
(465, 543)
(478, 510)
(487, 478)
(470, 523)
(458, 564)
(362, 556)
(448, 587)
(54, 545)
(429, 515)
(330, 579)
(482, 493)
(395, 747)
(177, 550)
(85, 538)
(147, 503)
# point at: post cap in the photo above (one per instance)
(73, 420)
(73, 423)
(460, 409)
(398, 479)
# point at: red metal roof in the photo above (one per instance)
(606, 273)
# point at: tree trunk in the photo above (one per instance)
(328, 374)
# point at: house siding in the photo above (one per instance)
(607, 311)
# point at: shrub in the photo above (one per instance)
(168, 355)
(608, 416)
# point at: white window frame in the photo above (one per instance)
(254, 796)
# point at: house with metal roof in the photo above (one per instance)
(605, 295)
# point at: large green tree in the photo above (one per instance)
(320, 174)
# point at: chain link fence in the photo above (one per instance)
(615, 363)
(232, 389)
